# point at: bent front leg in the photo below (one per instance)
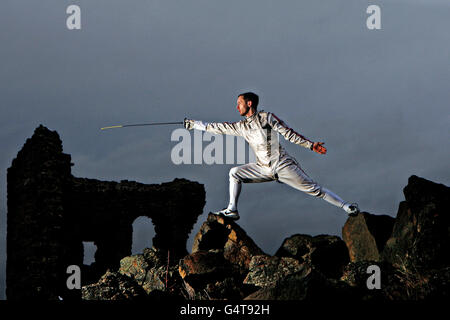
(247, 173)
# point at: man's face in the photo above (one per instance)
(242, 107)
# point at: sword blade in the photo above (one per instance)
(141, 124)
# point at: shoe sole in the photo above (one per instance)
(354, 214)
(220, 214)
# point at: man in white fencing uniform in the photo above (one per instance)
(260, 129)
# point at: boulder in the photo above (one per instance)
(426, 285)
(228, 289)
(208, 275)
(398, 284)
(265, 271)
(135, 267)
(326, 253)
(200, 267)
(421, 234)
(225, 235)
(150, 271)
(114, 286)
(309, 285)
(366, 235)
(356, 275)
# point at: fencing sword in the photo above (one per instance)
(141, 124)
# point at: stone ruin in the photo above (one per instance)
(51, 213)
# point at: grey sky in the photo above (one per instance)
(378, 99)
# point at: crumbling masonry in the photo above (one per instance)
(51, 213)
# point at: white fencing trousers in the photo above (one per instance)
(235, 191)
(291, 175)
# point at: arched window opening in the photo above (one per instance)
(143, 233)
(89, 252)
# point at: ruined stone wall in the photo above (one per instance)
(50, 214)
(36, 182)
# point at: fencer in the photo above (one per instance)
(260, 129)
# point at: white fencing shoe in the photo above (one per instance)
(227, 213)
(352, 210)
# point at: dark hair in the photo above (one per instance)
(250, 96)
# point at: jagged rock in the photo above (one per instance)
(219, 233)
(265, 271)
(202, 266)
(151, 271)
(135, 267)
(398, 283)
(208, 275)
(230, 288)
(405, 284)
(307, 284)
(355, 273)
(156, 257)
(366, 234)
(326, 253)
(113, 286)
(148, 271)
(220, 289)
(421, 233)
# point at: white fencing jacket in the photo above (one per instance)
(261, 130)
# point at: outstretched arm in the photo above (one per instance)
(231, 128)
(289, 134)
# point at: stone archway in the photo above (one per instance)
(143, 233)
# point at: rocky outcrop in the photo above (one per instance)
(421, 234)
(219, 233)
(114, 286)
(328, 254)
(226, 264)
(145, 276)
(151, 271)
(208, 275)
(204, 265)
(307, 285)
(265, 271)
(220, 260)
(366, 234)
